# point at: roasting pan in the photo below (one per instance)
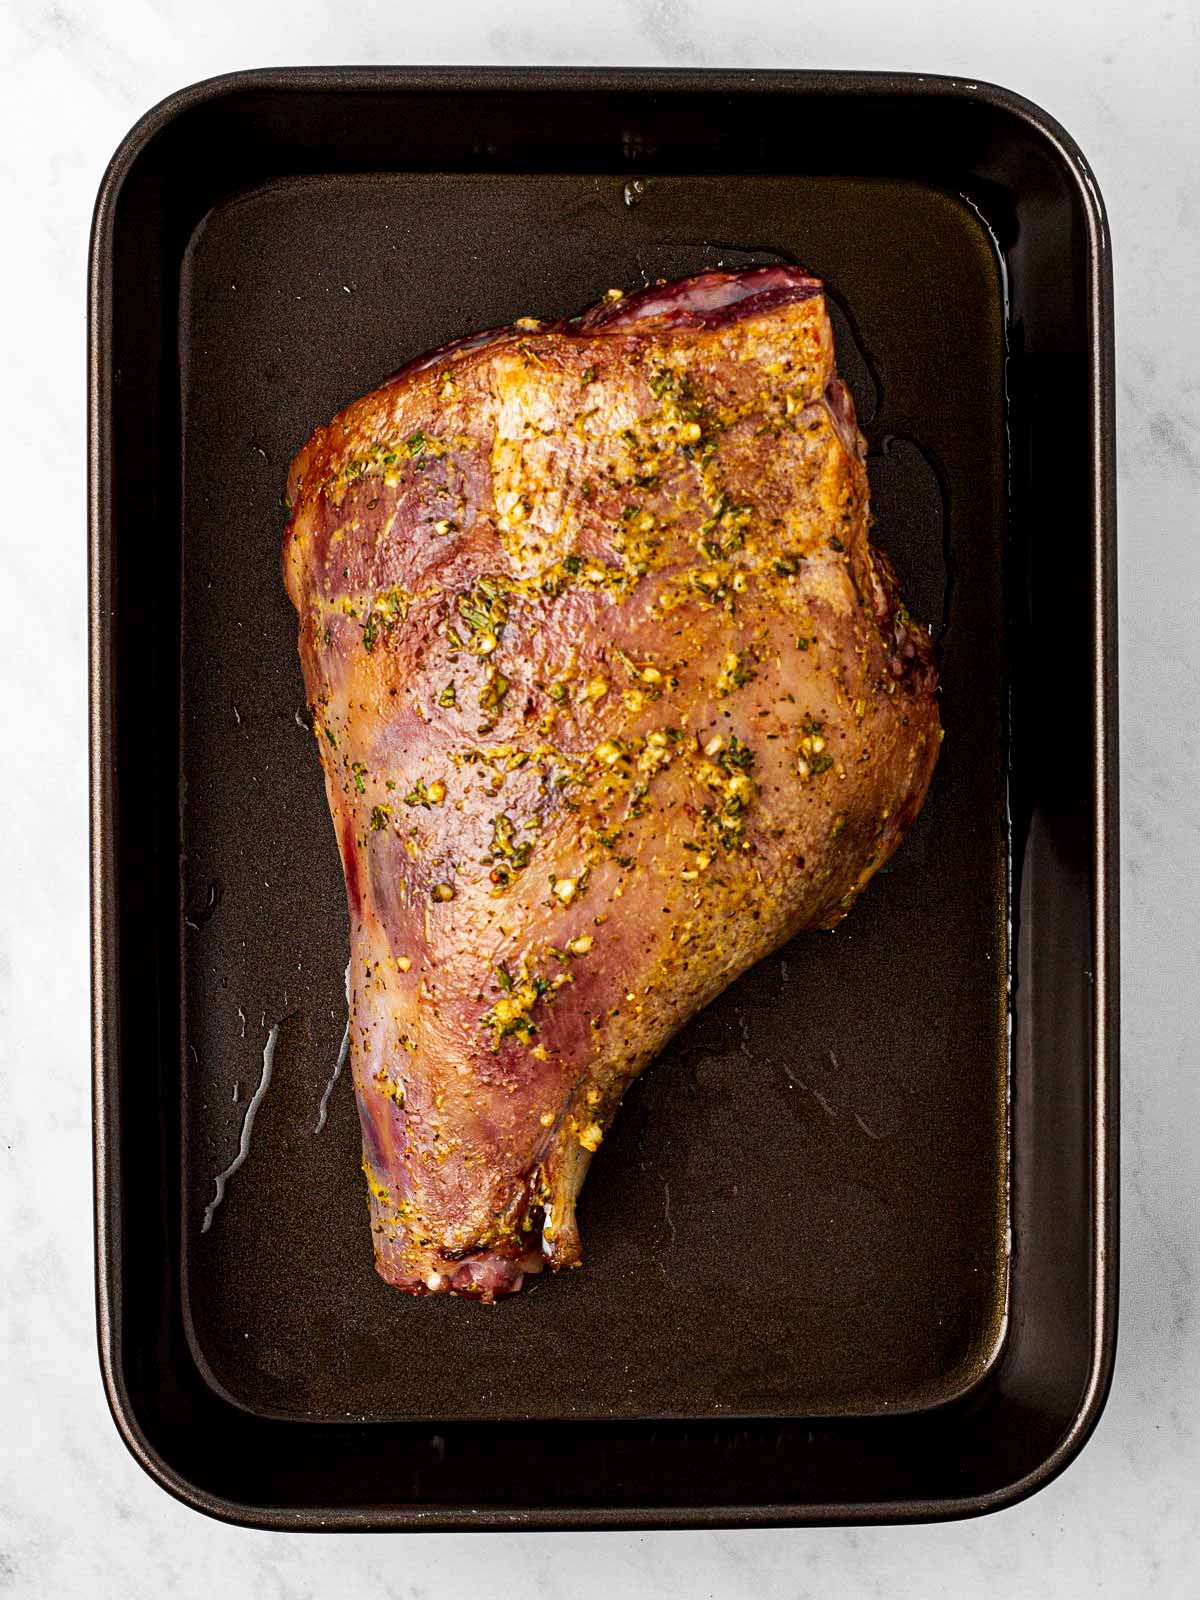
(851, 1244)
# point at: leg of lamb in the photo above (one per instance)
(613, 695)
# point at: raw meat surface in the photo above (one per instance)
(613, 696)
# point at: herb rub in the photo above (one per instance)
(613, 695)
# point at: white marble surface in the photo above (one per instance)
(77, 1517)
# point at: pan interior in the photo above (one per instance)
(801, 1208)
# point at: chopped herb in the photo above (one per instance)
(737, 757)
(504, 849)
(588, 376)
(447, 696)
(737, 671)
(416, 444)
(491, 696)
(359, 773)
(379, 818)
(510, 1016)
(484, 610)
(718, 510)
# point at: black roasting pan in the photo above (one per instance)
(851, 1244)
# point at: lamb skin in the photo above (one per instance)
(613, 696)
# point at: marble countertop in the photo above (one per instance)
(77, 1516)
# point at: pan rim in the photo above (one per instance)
(1102, 1108)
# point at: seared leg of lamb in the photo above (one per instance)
(613, 696)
